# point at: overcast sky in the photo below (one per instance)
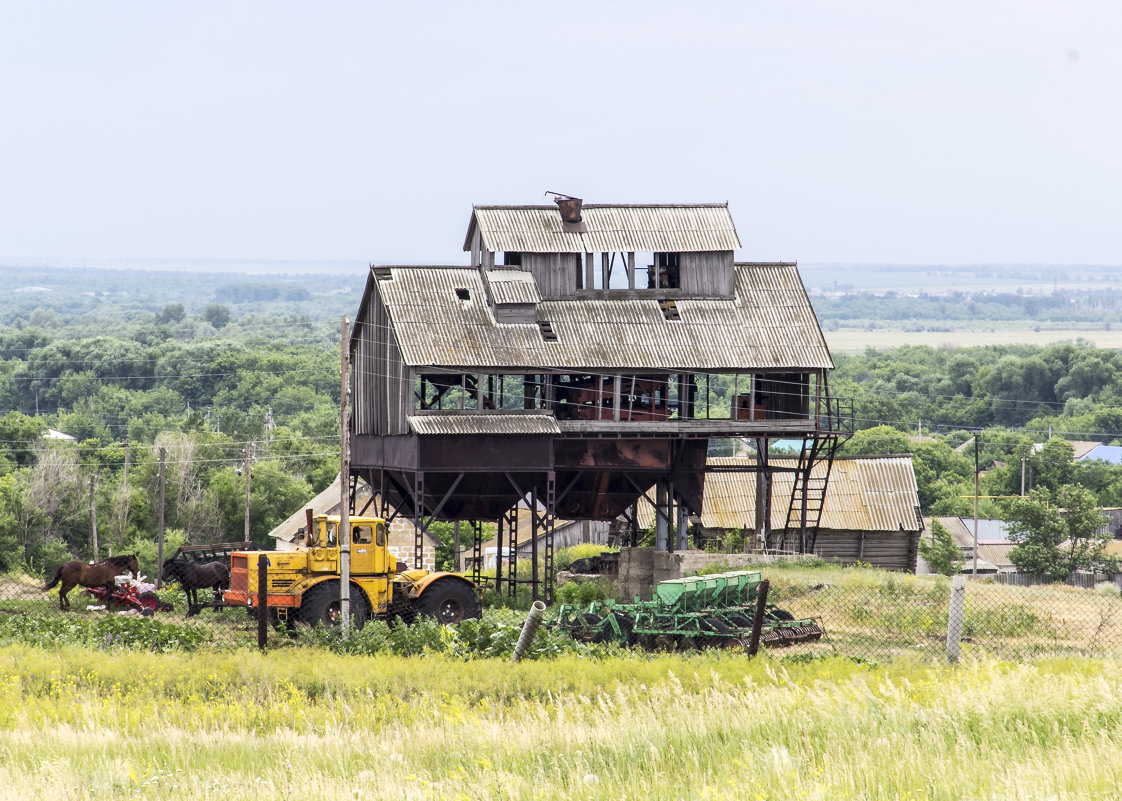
(973, 131)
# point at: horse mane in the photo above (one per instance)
(121, 561)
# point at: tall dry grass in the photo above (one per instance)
(82, 723)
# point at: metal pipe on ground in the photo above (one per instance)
(529, 629)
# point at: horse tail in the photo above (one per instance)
(55, 580)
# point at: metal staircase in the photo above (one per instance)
(812, 474)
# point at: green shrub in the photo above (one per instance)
(582, 593)
(470, 639)
(566, 556)
(101, 631)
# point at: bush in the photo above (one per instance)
(102, 631)
(470, 639)
(566, 556)
(583, 593)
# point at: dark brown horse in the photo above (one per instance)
(194, 576)
(99, 574)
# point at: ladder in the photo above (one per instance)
(808, 490)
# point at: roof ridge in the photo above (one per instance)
(537, 206)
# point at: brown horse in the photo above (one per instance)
(100, 574)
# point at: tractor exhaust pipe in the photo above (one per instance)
(529, 629)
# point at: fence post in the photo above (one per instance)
(262, 600)
(758, 618)
(955, 617)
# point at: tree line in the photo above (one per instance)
(137, 388)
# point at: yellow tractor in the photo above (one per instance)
(303, 584)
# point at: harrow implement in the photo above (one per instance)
(714, 611)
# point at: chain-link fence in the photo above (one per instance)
(862, 614)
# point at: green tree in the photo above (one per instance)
(940, 552)
(217, 315)
(172, 313)
(1057, 532)
(878, 440)
(19, 436)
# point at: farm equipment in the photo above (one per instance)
(303, 584)
(127, 594)
(714, 611)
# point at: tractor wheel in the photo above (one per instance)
(781, 614)
(626, 626)
(741, 621)
(149, 601)
(718, 627)
(321, 605)
(449, 601)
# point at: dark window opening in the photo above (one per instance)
(665, 272)
(548, 334)
(463, 294)
(512, 259)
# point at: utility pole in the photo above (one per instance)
(160, 531)
(248, 473)
(121, 504)
(93, 521)
(344, 482)
(976, 471)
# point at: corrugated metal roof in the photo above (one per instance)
(768, 324)
(513, 286)
(655, 228)
(1104, 453)
(863, 494)
(483, 424)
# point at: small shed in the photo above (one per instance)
(870, 511)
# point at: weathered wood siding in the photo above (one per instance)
(383, 385)
(707, 273)
(890, 551)
(556, 273)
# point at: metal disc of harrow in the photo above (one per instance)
(770, 638)
(794, 634)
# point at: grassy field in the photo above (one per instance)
(870, 712)
(852, 341)
(297, 724)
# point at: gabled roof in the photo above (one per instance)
(609, 228)
(768, 324)
(1111, 454)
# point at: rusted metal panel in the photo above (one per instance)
(610, 454)
(470, 423)
(669, 228)
(768, 325)
(483, 453)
